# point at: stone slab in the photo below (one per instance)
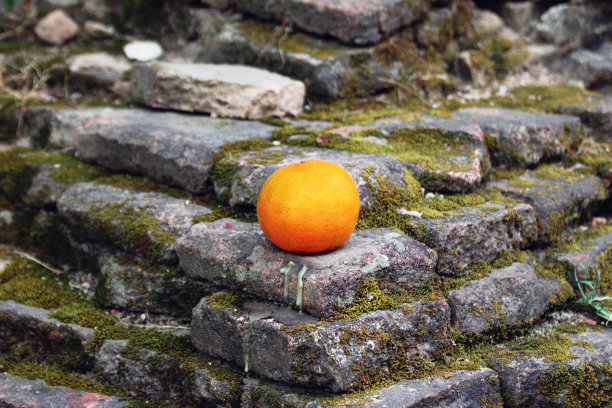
(146, 224)
(470, 234)
(579, 260)
(557, 202)
(235, 91)
(239, 256)
(161, 377)
(168, 147)
(596, 113)
(289, 347)
(17, 392)
(252, 169)
(359, 22)
(522, 139)
(506, 297)
(99, 67)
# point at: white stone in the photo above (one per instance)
(100, 65)
(219, 89)
(143, 50)
(56, 28)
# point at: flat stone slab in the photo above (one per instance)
(99, 67)
(506, 297)
(460, 389)
(137, 287)
(252, 169)
(239, 256)
(17, 392)
(558, 202)
(579, 260)
(143, 223)
(161, 377)
(168, 147)
(470, 234)
(596, 113)
(283, 345)
(235, 91)
(521, 139)
(591, 67)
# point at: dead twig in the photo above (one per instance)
(39, 262)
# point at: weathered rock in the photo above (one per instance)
(518, 15)
(250, 171)
(437, 30)
(56, 28)
(486, 22)
(25, 325)
(222, 90)
(510, 296)
(472, 67)
(469, 234)
(16, 392)
(358, 22)
(558, 201)
(238, 255)
(275, 342)
(143, 223)
(44, 190)
(142, 288)
(98, 67)
(536, 381)
(575, 24)
(168, 147)
(592, 67)
(156, 376)
(596, 113)
(586, 256)
(520, 138)
(471, 389)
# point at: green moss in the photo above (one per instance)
(15, 174)
(225, 300)
(273, 121)
(550, 172)
(85, 316)
(556, 270)
(480, 269)
(69, 170)
(141, 184)
(604, 262)
(369, 297)
(588, 385)
(581, 240)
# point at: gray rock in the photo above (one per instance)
(282, 345)
(592, 67)
(518, 15)
(575, 24)
(98, 67)
(557, 202)
(238, 255)
(469, 66)
(143, 223)
(437, 30)
(524, 380)
(20, 393)
(358, 22)
(56, 28)
(520, 138)
(596, 113)
(470, 234)
(222, 90)
(507, 297)
(44, 191)
(156, 376)
(252, 169)
(579, 260)
(139, 287)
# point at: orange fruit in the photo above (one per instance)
(308, 207)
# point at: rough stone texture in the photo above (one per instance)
(468, 68)
(596, 113)
(238, 255)
(151, 375)
(522, 379)
(115, 216)
(521, 138)
(99, 67)
(435, 31)
(470, 234)
(506, 297)
(168, 147)
(20, 324)
(16, 392)
(593, 67)
(252, 171)
(580, 259)
(358, 22)
(575, 24)
(56, 28)
(276, 345)
(518, 15)
(141, 288)
(44, 191)
(222, 90)
(557, 202)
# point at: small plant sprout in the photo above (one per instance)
(588, 291)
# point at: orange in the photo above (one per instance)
(308, 207)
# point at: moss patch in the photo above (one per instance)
(589, 385)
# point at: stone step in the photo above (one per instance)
(514, 295)
(521, 139)
(17, 392)
(146, 224)
(238, 255)
(595, 113)
(170, 148)
(224, 90)
(560, 197)
(284, 345)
